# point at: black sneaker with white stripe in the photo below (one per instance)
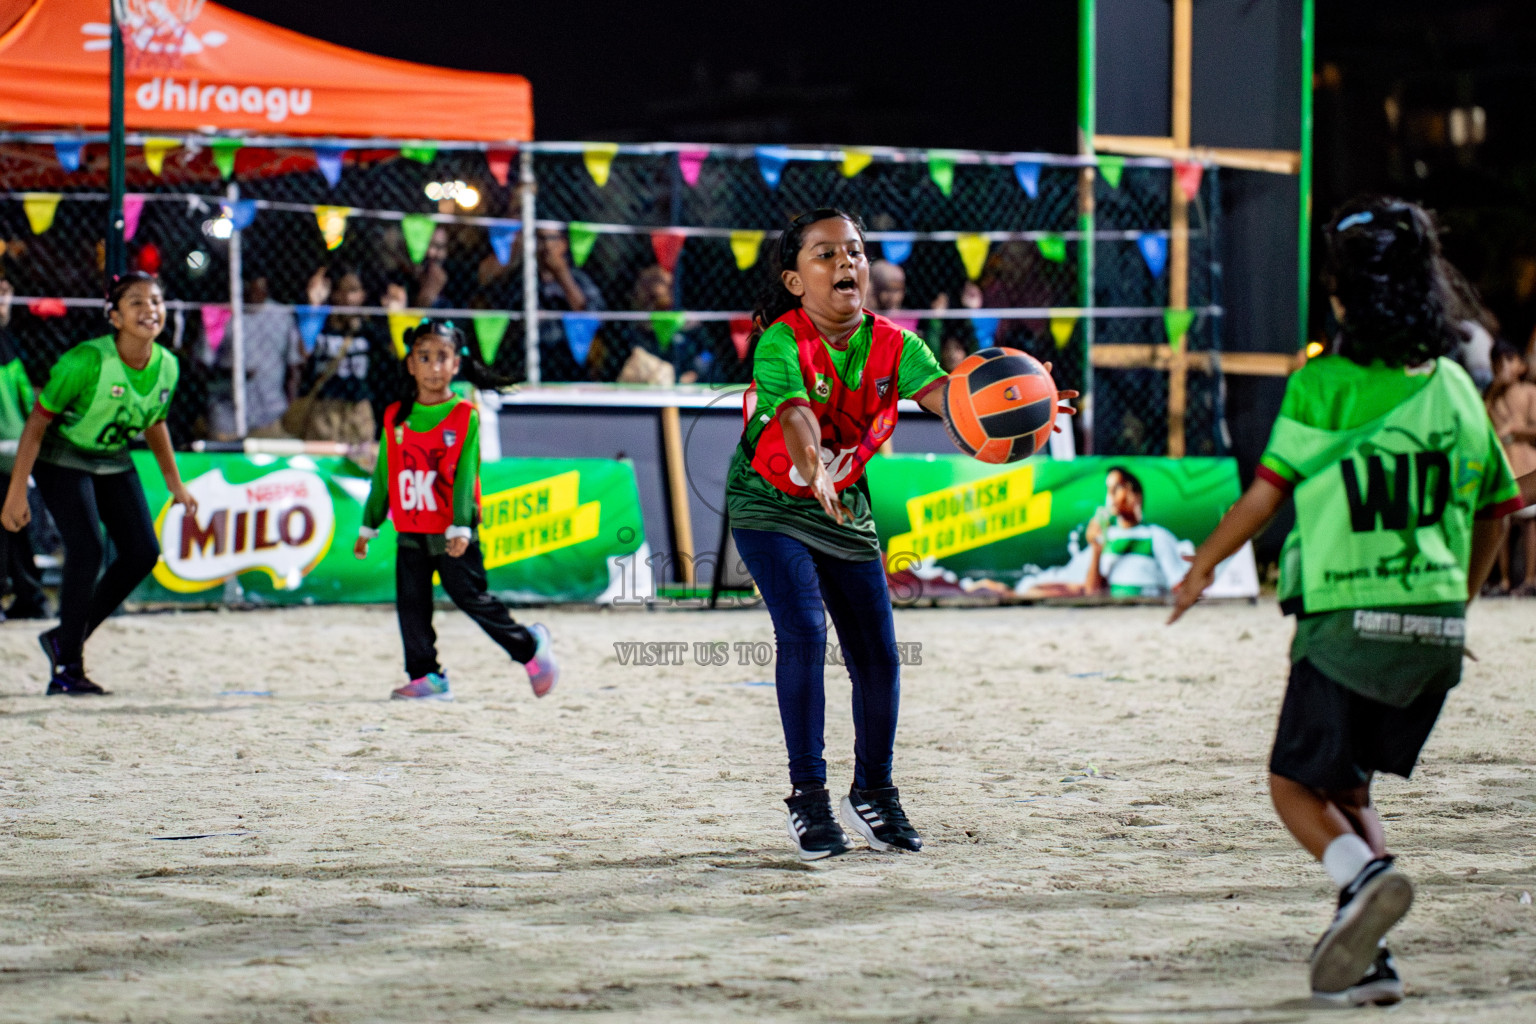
(1379, 986)
(812, 826)
(876, 815)
(1369, 906)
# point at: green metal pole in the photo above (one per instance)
(117, 250)
(1304, 241)
(1087, 120)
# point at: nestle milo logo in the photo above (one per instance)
(281, 524)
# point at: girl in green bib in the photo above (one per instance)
(100, 395)
(1400, 483)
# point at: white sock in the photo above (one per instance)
(1345, 857)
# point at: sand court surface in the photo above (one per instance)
(1091, 786)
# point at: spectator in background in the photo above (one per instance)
(688, 352)
(18, 572)
(562, 288)
(1475, 325)
(1511, 405)
(352, 371)
(888, 293)
(953, 340)
(273, 355)
(431, 275)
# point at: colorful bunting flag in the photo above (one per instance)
(68, 153)
(1029, 177)
(311, 319)
(667, 245)
(973, 253)
(770, 164)
(421, 152)
(1154, 250)
(418, 229)
(490, 328)
(941, 168)
(741, 334)
(133, 206)
(582, 237)
(399, 323)
(1112, 167)
(499, 161)
(986, 330)
(666, 323)
(241, 213)
(328, 158)
(224, 151)
(1177, 323)
(688, 162)
(855, 160)
(40, 208)
(1053, 247)
(154, 153)
(501, 240)
(745, 246)
(896, 250)
(215, 319)
(1062, 327)
(44, 308)
(599, 161)
(579, 331)
(1188, 176)
(333, 224)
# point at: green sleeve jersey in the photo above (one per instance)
(424, 418)
(754, 503)
(15, 398)
(1390, 465)
(100, 404)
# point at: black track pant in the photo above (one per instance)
(18, 572)
(464, 580)
(81, 504)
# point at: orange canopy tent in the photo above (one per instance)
(196, 66)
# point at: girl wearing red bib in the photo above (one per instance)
(826, 377)
(428, 481)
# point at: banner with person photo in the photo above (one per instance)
(1089, 527)
(280, 530)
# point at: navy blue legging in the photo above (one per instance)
(795, 580)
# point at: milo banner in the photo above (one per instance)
(1036, 529)
(281, 530)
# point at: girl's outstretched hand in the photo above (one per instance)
(360, 549)
(16, 515)
(183, 497)
(821, 487)
(1062, 398)
(457, 546)
(1190, 588)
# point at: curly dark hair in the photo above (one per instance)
(775, 300)
(1384, 267)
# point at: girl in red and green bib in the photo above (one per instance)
(826, 377)
(100, 395)
(427, 481)
(1400, 484)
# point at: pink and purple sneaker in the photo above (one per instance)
(543, 671)
(432, 686)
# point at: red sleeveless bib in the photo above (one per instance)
(855, 421)
(422, 469)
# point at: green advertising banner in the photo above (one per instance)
(281, 530)
(1041, 528)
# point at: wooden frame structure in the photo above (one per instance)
(1175, 359)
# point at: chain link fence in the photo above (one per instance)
(647, 260)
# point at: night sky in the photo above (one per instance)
(902, 73)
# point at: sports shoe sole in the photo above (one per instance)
(852, 820)
(813, 854)
(1350, 945)
(1376, 993)
(434, 696)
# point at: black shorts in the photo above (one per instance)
(1331, 738)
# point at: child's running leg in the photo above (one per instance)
(464, 581)
(125, 514)
(1318, 818)
(413, 607)
(72, 501)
